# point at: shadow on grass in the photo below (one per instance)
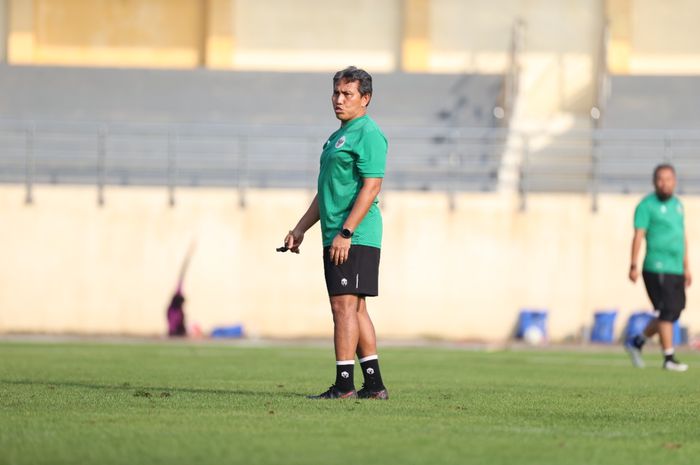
(145, 391)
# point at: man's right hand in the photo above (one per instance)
(634, 274)
(293, 240)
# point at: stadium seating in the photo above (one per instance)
(557, 162)
(648, 120)
(653, 102)
(259, 129)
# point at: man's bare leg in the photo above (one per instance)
(652, 328)
(665, 330)
(346, 327)
(367, 342)
(666, 336)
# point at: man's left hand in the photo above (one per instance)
(340, 248)
(688, 278)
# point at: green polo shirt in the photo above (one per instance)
(664, 224)
(355, 151)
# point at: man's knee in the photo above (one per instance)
(343, 307)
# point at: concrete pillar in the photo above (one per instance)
(415, 35)
(619, 14)
(219, 40)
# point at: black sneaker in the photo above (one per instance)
(334, 393)
(366, 393)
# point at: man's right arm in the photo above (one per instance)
(639, 235)
(295, 237)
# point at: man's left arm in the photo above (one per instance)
(368, 192)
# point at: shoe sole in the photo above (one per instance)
(348, 395)
(381, 395)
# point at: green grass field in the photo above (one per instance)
(169, 403)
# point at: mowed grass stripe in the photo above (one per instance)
(206, 403)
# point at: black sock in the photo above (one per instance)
(639, 341)
(344, 375)
(670, 357)
(370, 370)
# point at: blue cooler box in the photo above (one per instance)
(527, 318)
(604, 326)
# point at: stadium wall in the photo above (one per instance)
(653, 37)
(558, 55)
(72, 267)
(129, 33)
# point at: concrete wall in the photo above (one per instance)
(69, 266)
(153, 33)
(653, 37)
(308, 35)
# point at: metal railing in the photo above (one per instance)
(607, 161)
(235, 156)
(511, 79)
(445, 159)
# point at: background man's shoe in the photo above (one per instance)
(635, 354)
(675, 365)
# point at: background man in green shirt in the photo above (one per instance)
(659, 218)
(350, 178)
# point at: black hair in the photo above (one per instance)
(352, 74)
(661, 167)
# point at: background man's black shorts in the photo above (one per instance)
(359, 275)
(667, 294)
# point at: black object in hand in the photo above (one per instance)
(284, 248)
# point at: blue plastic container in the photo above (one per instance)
(604, 326)
(527, 318)
(677, 335)
(235, 331)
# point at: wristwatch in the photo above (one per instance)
(346, 233)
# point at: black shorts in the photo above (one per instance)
(667, 294)
(359, 275)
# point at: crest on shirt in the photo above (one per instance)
(340, 142)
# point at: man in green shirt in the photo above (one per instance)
(350, 178)
(659, 218)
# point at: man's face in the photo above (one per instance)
(665, 183)
(348, 104)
